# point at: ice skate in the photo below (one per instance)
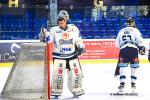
(121, 87)
(79, 93)
(120, 92)
(133, 89)
(56, 94)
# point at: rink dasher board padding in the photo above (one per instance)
(124, 94)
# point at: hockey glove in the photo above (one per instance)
(149, 55)
(142, 50)
(79, 50)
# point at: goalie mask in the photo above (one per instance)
(63, 14)
(130, 22)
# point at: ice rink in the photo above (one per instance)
(99, 82)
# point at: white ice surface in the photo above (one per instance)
(99, 82)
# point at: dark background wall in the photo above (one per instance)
(81, 3)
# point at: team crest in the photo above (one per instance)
(65, 36)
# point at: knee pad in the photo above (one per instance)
(134, 65)
(58, 76)
(75, 77)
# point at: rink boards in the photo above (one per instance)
(97, 51)
(84, 61)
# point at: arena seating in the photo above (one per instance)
(109, 27)
(28, 26)
(21, 27)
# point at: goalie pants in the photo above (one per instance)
(128, 56)
(74, 76)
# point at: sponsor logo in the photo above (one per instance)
(65, 49)
(59, 82)
(61, 41)
(76, 71)
(60, 78)
(14, 47)
(59, 71)
(77, 81)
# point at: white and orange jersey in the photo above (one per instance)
(64, 41)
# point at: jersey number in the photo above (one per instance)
(126, 37)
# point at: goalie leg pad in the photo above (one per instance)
(57, 77)
(75, 78)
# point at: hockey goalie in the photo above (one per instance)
(67, 46)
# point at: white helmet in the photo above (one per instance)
(63, 14)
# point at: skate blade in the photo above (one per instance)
(54, 97)
(124, 94)
(78, 95)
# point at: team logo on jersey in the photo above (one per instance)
(65, 36)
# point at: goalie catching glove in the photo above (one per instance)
(142, 50)
(44, 37)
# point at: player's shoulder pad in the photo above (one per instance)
(137, 31)
(53, 30)
(122, 30)
(71, 25)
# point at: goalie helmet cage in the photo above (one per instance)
(29, 78)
